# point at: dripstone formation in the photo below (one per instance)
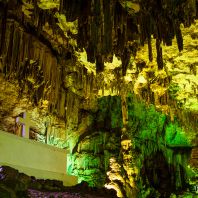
(114, 82)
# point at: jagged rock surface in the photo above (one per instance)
(44, 72)
(15, 184)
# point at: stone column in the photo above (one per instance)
(126, 153)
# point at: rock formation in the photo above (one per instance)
(114, 81)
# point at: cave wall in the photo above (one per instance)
(166, 142)
(98, 143)
(112, 140)
(40, 75)
(151, 157)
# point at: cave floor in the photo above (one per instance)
(44, 194)
(40, 194)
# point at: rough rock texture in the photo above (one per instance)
(96, 139)
(32, 64)
(175, 89)
(50, 56)
(105, 29)
(18, 185)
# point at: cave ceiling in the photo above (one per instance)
(104, 28)
(60, 51)
(118, 27)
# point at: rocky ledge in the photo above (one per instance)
(14, 184)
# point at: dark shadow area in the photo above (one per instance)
(163, 177)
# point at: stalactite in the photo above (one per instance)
(108, 27)
(99, 63)
(8, 58)
(159, 54)
(17, 40)
(104, 30)
(125, 60)
(150, 49)
(3, 12)
(19, 50)
(179, 36)
(101, 27)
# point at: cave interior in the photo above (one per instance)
(115, 83)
